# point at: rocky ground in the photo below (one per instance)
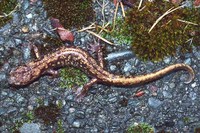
(168, 104)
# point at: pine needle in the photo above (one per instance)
(166, 13)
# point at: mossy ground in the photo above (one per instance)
(6, 6)
(48, 114)
(72, 77)
(71, 13)
(140, 128)
(166, 37)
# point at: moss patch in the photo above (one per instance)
(166, 37)
(6, 6)
(71, 13)
(140, 128)
(48, 113)
(71, 77)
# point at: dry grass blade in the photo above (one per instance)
(6, 15)
(187, 22)
(166, 13)
(123, 12)
(140, 4)
(103, 28)
(115, 15)
(92, 26)
(98, 36)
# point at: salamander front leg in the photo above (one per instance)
(96, 47)
(36, 51)
(52, 73)
(81, 93)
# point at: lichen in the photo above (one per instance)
(6, 6)
(166, 37)
(71, 13)
(72, 77)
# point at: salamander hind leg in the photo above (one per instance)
(80, 93)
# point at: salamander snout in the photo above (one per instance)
(19, 76)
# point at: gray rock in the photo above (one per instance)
(119, 55)
(167, 60)
(172, 85)
(76, 124)
(80, 114)
(112, 67)
(11, 109)
(127, 67)
(167, 94)
(30, 128)
(1, 40)
(2, 76)
(2, 111)
(153, 102)
(188, 61)
(193, 95)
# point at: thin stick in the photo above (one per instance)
(187, 22)
(103, 28)
(115, 15)
(6, 15)
(123, 12)
(166, 13)
(103, 39)
(87, 28)
(140, 4)
(102, 12)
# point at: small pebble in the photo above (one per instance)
(25, 29)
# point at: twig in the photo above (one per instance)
(187, 22)
(6, 15)
(103, 28)
(115, 15)
(122, 6)
(87, 28)
(102, 12)
(103, 39)
(166, 13)
(140, 4)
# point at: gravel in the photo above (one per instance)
(168, 104)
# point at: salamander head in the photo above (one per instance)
(21, 76)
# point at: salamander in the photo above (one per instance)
(79, 58)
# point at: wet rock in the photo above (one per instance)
(80, 114)
(193, 95)
(153, 102)
(188, 61)
(167, 60)
(113, 67)
(119, 55)
(76, 124)
(127, 67)
(30, 128)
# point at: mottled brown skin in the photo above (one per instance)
(76, 57)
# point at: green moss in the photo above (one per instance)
(72, 77)
(27, 117)
(140, 128)
(48, 113)
(118, 34)
(168, 35)
(6, 6)
(60, 128)
(71, 13)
